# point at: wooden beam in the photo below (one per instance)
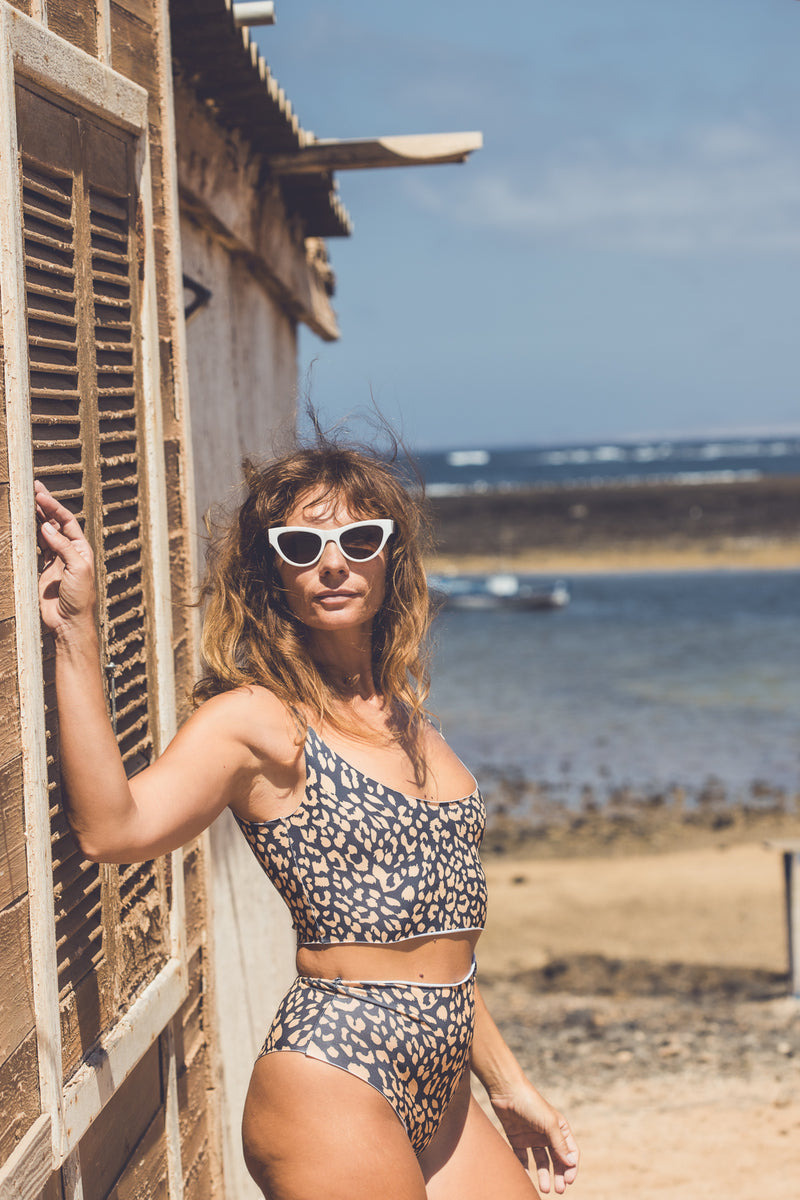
(118, 1052)
(26, 1171)
(413, 150)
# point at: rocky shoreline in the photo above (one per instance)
(636, 1017)
(580, 1025)
(627, 526)
(524, 819)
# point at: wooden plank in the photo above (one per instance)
(17, 1017)
(72, 1177)
(75, 21)
(26, 1172)
(86, 1093)
(113, 1137)
(142, 941)
(13, 861)
(52, 1189)
(357, 154)
(193, 1087)
(791, 874)
(3, 443)
(133, 51)
(146, 1173)
(789, 850)
(64, 70)
(14, 30)
(191, 1030)
(200, 1179)
(86, 1009)
(104, 30)
(143, 10)
(160, 590)
(195, 896)
(6, 581)
(46, 130)
(19, 1095)
(10, 737)
(172, 1127)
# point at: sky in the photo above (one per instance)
(621, 259)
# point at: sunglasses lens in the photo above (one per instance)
(362, 542)
(300, 547)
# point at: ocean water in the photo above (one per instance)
(725, 459)
(648, 682)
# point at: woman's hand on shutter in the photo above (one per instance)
(66, 584)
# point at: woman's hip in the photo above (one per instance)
(409, 1041)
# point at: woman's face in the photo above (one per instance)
(333, 594)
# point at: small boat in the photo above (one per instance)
(497, 591)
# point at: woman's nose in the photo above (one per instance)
(332, 558)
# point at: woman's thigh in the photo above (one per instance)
(469, 1159)
(312, 1130)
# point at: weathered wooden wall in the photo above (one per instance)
(124, 1153)
(245, 239)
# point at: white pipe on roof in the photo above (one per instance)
(253, 12)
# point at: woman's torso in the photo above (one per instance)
(339, 811)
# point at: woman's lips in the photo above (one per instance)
(335, 595)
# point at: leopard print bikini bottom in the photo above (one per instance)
(409, 1041)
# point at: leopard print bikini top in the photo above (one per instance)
(359, 862)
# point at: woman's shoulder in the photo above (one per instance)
(256, 718)
(445, 764)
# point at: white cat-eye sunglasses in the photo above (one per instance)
(359, 542)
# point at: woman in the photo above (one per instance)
(316, 611)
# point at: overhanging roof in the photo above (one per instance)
(224, 67)
(356, 154)
(226, 71)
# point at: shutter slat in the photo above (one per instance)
(52, 321)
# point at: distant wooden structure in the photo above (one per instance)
(139, 181)
(789, 850)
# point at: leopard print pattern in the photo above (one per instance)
(410, 1042)
(360, 862)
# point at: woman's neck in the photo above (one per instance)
(347, 660)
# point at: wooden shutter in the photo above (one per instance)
(81, 270)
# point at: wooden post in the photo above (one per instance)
(791, 870)
(790, 853)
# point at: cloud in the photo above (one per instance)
(722, 188)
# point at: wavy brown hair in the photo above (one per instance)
(251, 636)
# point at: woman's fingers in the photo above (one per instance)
(56, 513)
(542, 1160)
(66, 584)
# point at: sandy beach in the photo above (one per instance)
(646, 994)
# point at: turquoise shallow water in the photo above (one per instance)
(644, 681)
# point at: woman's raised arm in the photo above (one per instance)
(207, 765)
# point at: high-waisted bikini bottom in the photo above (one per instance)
(410, 1041)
